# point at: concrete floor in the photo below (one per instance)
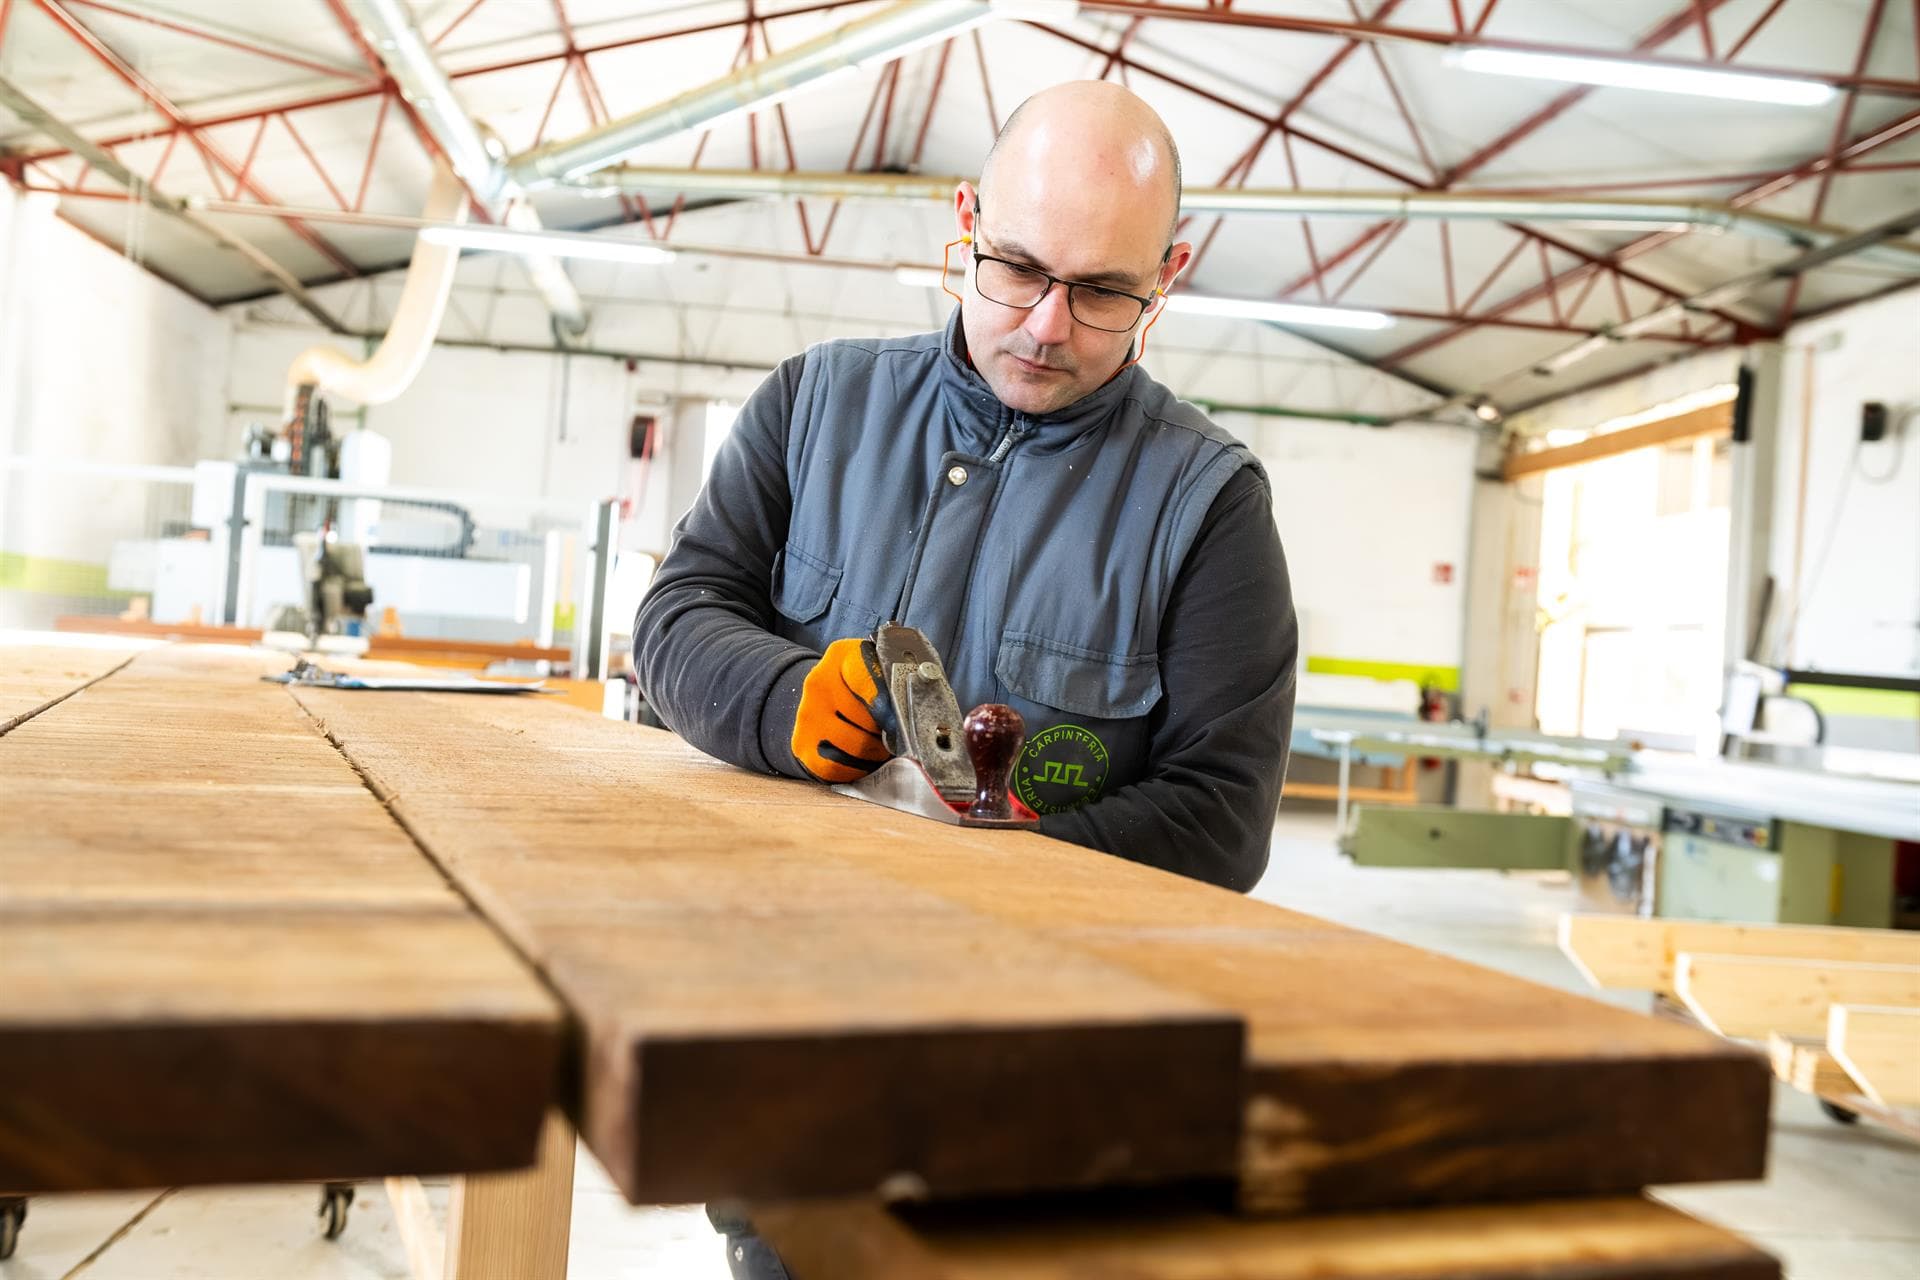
(1838, 1204)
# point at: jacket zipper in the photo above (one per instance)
(1016, 430)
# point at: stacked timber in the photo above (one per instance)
(776, 993)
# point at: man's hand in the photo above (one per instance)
(837, 730)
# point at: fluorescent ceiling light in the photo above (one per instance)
(541, 244)
(1228, 308)
(1660, 78)
(1279, 312)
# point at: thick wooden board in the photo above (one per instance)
(765, 1017)
(1381, 1074)
(1619, 1239)
(1880, 1048)
(1751, 996)
(1377, 1074)
(1630, 953)
(34, 677)
(223, 961)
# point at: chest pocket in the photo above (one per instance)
(1081, 682)
(806, 592)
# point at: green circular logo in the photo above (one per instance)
(1062, 768)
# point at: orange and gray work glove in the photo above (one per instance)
(838, 732)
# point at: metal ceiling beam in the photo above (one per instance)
(403, 222)
(1735, 289)
(1385, 170)
(1886, 134)
(387, 27)
(1392, 205)
(104, 162)
(881, 37)
(151, 94)
(1378, 32)
(311, 101)
(154, 16)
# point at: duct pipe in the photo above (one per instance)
(103, 161)
(423, 301)
(882, 37)
(1253, 200)
(476, 156)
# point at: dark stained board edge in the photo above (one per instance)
(1335, 1137)
(946, 1111)
(269, 1101)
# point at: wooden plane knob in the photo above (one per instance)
(995, 733)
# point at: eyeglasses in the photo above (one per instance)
(1014, 284)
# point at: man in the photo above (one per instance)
(1073, 539)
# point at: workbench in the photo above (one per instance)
(256, 933)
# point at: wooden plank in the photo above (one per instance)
(1377, 1074)
(35, 677)
(420, 1234)
(1751, 996)
(515, 1226)
(1630, 953)
(1710, 421)
(1618, 1239)
(1880, 1047)
(764, 1017)
(222, 961)
(1807, 1066)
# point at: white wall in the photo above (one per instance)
(99, 360)
(1846, 518)
(518, 425)
(1368, 516)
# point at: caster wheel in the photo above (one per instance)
(13, 1213)
(335, 1199)
(1839, 1115)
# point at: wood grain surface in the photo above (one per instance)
(864, 946)
(223, 961)
(1161, 1239)
(33, 677)
(762, 1016)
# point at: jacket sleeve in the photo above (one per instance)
(703, 649)
(1229, 646)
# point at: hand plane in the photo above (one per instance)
(945, 767)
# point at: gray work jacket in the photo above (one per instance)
(877, 480)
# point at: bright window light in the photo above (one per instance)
(920, 277)
(1200, 304)
(1620, 73)
(540, 243)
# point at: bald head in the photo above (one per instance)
(1092, 133)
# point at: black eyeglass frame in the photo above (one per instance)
(1071, 285)
(1053, 280)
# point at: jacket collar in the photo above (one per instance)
(982, 419)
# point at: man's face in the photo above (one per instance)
(1042, 358)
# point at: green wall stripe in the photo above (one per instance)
(1446, 679)
(1876, 704)
(52, 577)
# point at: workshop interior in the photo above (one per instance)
(362, 917)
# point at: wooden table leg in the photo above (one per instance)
(514, 1226)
